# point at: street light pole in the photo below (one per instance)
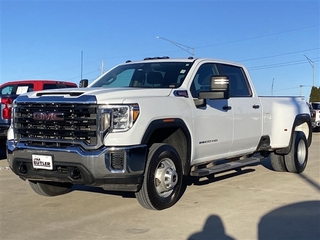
(179, 45)
(312, 65)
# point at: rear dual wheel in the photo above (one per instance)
(277, 162)
(296, 160)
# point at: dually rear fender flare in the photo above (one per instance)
(299, 120)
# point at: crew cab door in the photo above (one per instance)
(245, 108)
(213, 122)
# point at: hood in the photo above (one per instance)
(101, 94)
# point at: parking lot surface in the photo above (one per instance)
(256, 203)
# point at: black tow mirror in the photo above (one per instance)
(219, 88)
(83, 83)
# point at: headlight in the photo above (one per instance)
(118, 118)
(123, 117)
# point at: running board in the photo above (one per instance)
(224, 167)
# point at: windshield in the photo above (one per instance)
(145, 75)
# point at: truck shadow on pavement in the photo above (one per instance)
(101, 190)
(199, 181)
(265, 162)
(187, 181)
(294, 221)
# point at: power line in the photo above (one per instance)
(254, 68)
(235, 41)
(279, 55)
(284, 64)
(262, 36)
(281, 90)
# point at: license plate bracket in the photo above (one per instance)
(42, 161)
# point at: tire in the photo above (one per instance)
(50, 189)
(296, 159)
(277, 162)
(162, 182)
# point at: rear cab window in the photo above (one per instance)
(57, 85)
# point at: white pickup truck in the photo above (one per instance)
(144, 126)
(315, 106)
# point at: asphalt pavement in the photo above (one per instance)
(256, 203)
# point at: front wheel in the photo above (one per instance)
(296, 159)
(163, 178)
(50, 188)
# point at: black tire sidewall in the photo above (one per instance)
(300, 137)
(163, 151)
(277, 162)
(292, 160)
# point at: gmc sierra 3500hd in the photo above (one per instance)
(143, 126)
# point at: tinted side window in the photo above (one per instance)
(6, 90)
(239, 86)
(201, 81)
(17, 89)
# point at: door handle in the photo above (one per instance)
(256, 106)
(226, 108)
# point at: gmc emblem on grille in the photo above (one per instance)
(53, 116)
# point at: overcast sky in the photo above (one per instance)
(273, 38)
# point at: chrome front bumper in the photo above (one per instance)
(113, 168)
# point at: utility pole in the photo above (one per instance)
(81, 65)
(272, 87)
(312, 65)
(102, 67)
(179, 45)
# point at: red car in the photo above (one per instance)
(10, 90)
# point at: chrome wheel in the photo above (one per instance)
(162, 180)
(165, 178)
(301, 152)
(296, 159)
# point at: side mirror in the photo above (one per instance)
(83, 83)
(219, 88)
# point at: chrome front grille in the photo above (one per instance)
(56, 124)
